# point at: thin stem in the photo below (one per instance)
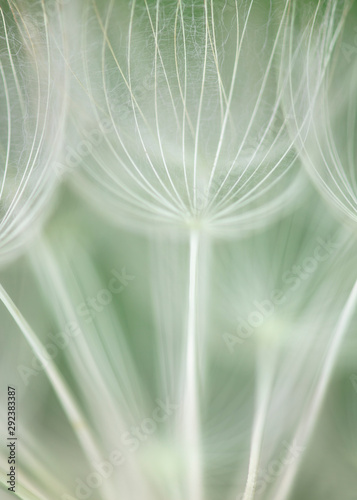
(307, 425)
(191, 416)
(265, 373)
(63, 392)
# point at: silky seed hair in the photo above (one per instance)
(33, 115)
(190, 131)
(184, 321)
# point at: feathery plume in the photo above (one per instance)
(33, 114)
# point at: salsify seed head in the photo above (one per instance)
(182, 122)
(32, 119)
(321, 97)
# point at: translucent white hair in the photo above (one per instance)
(183, 122)
(322, 98)
(32, 108)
